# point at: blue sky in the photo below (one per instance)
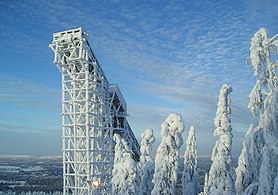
(166, 56)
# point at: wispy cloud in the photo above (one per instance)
(28, 129)
(22, 92)
(28, 107)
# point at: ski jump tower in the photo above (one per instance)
(92, 111)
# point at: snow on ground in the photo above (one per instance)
(17, 169)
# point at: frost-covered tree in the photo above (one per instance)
(263, 97)
(125, 179)
(190, 183)
(147, 163)
(166, 160)
(264, 104)
(221, 174)
(249, 161)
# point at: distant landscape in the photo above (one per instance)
(29, 173)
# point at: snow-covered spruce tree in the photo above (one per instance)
(125, 179)
(249, 161)
(263, 97)
(166, 160)
(221, 174)
(147, 163)
(264, 103)
(190, 183)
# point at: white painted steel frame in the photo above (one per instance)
(87, 134)
(92, 110)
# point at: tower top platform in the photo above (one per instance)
(77, 32)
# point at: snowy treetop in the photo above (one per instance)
(259, 40)
(222, 118)
(191, 147)
(146, 147)
(265, 66)
(173, 126)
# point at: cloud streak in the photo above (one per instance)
(14, 90)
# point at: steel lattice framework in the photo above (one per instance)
(92, 110)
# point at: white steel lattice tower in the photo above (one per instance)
(92, 110)
(87, 137)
